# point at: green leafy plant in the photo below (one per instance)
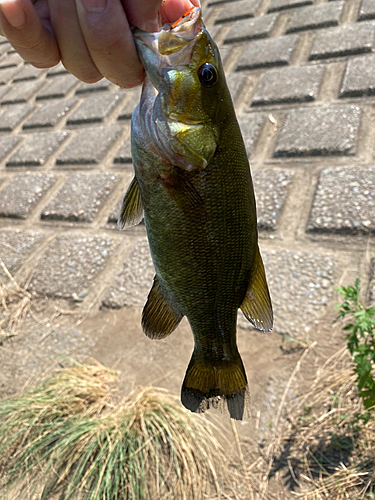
(360, 339)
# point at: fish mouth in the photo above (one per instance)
(173, 44)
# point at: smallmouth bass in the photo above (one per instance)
(193, 186)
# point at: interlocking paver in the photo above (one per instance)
(28, 72)
(239, 10)
(58, 87)
(367, 10)
(124, 154)
(359, 78)
(101, 85)
(7, 75)
(133, 99)
(50, 113)
(287, 4)
(4, 89)
(16, 246)
(236, 82)
(251, 126)
(344, 201)
(131, 286)
(296, 278)
(22, 92)
(316, 16)
(113, 216)
(322, 131)
(7, 143)
(71, 265)
(259, 27)
(10, 60)
(289, 85)
(95, 108)
(89, 146)
(271, 188)
(272, 52)
(23, 192)
(11, 116)
(343, 41)
(57, 70)
(81, 197)
(37, 148)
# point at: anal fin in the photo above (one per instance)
(131, 212)
(159, 317)
(257, 306)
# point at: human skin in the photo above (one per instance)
(92, 38)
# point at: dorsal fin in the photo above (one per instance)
(257, 306)
(131, 212)
(159, 317)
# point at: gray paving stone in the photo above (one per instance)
(11, 116)
(81, 197)
(239, 10)
(28, 72)
(220, 2)
(271, 188)
(101, 85)
(344, 41)
(344, 201)
(133, 96)
(322, 131)
(7, 143)
(71, 265)
(133, 283)
(22, 92)
(272, 52)
(113, 216)
(367, 10)
(359, 78)
(298, 279)
(10, 60)
(316, 16)
(236, 83)
(89, 145)
(289, 85)
(15, 247)
(251, 126)
(57, 70)
(4, 89)
(4, 48)
(37, 148)
(58, 87)
(50, 113)
(124, 154)
(287, 4)
(23, 192)
(259, 27)
(95, 108)
(7, 75)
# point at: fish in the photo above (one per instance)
(193, 187)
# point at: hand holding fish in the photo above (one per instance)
(91, 37)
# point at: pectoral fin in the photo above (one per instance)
(131, 212)
(183, 192)
(159, 317)
(257, 306)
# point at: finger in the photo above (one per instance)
(75, 55)
(171, 10)
(143, 15)
(109, 40)
(23, 28)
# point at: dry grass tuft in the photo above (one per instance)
(67, 439)
(328, 450)
(15, 303)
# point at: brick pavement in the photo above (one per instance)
(309, 130)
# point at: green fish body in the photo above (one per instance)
(193, 185)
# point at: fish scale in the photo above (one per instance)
(193, 185)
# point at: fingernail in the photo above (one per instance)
(94, 5)
(13, 12)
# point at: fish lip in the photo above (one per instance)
(188, 28)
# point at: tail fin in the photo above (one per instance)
(222, 386)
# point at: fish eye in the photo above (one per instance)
(207, 74)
